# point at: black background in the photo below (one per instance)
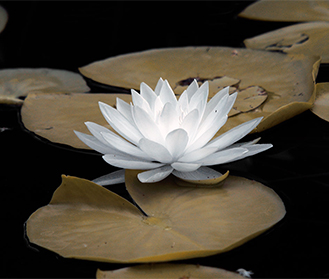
(68, 35)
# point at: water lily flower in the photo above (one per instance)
(164, 135)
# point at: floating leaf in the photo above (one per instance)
(55, 116)
(286, 84)
(18, 83)
(168, 271)
(321, 104)
(93, 223)
(287, 79)
(3, 18)
(306, 38)
(301, 10)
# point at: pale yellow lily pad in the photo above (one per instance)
(55, 116)
(93, 223)
(18, 83)
(287, 79)
(287, 10)
(167, 271)
(306, 38)
(321, 104)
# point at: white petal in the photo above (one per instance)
(146, 125)
(124, 146)
(167, 94)
(129, 162)
(96, 131)
(215, 100)
(253, 150)
(148, 94)
(155, 150)
(200, 97)
(124, 109)
(234, 134)
(176, 142)
(158, 107)
(120, 124)
(224, 156)
(138, 100)
(186, 96)
(95, 144)
(202, 173)
(245, 144)
(158, 86)
(168, 119)
(183, 101)
(197, 155)
(155, 175)
(191, 123)
(112, 178)
(185, 167)
(203, 139)
(191, 89)
(216, 114)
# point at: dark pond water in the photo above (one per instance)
(68, 35)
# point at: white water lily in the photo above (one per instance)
(162, 135)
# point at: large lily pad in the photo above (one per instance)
(167, 271)
(306, 38)
(86, 221)
(287, 79)
(321, 104)
(16, 84)
(55, 116)
(290, 10)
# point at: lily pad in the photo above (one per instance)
(55, 116)
(306, 38)
(296, 11)
(167, 271)
(321, 104)
(287, 79)
(16, 84)
(93, 223)
(3, 18)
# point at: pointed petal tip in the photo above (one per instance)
(155, 175)
(112, 178)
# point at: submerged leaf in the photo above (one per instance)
(296, 11)
(321, 104)
(248, 99)
(16, 84)
(93, 223)
(305, 38)
(215, 84)
(167, 271)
